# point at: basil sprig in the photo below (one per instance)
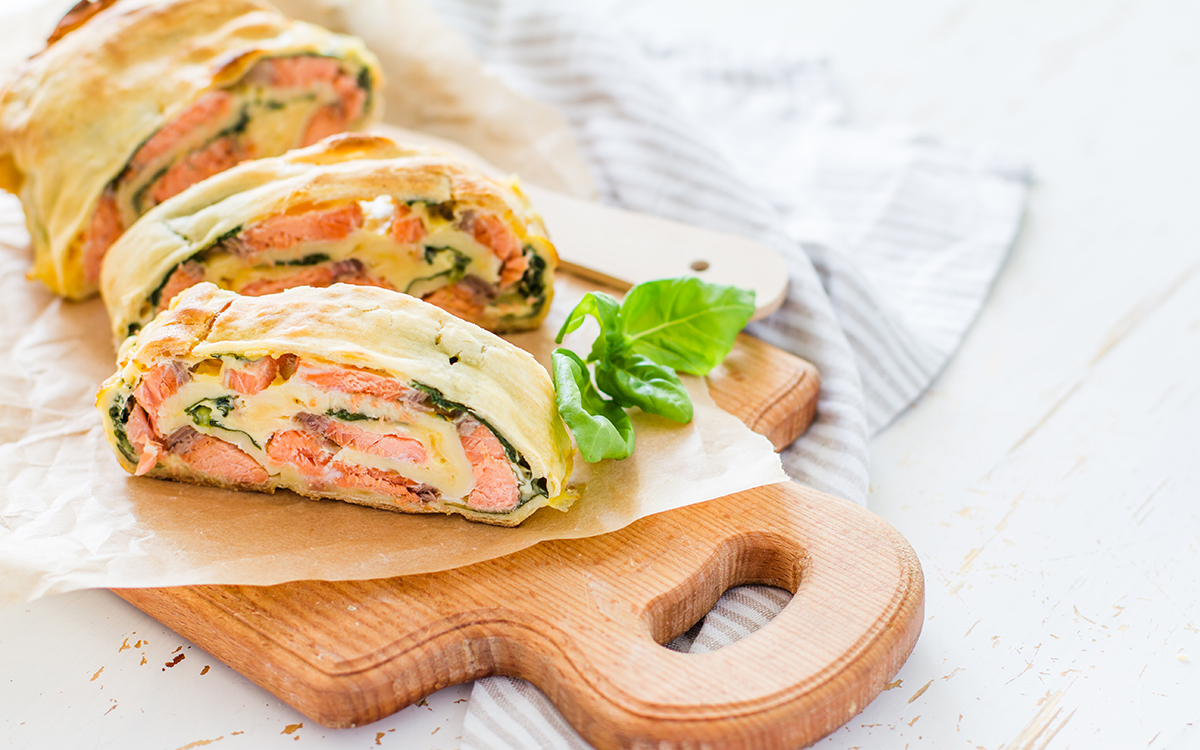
(662, 326)
(601, 427)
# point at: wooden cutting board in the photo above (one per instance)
(584, 619)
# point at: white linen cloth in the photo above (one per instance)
(892, 240)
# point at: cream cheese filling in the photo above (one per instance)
(405, 267)
(252, 420)
(271, 126)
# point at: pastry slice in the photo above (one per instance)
(356, 209)
(351, 393)
(133, 101)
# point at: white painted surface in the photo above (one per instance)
(1050, 481)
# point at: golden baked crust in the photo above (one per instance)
(340, 170)
(75, 113)
(370, 330)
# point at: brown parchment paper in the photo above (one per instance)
(71, 518)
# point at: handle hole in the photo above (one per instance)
(739, 612)
(715, 607)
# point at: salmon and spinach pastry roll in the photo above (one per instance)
(352, 393)
(132, 101)
(354, 208)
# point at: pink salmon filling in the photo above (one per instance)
(311, 447)
(215, 107)
(284, 231)
(466, 298)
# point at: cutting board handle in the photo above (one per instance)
(853, 619)
(584, 619)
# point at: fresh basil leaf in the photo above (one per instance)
(607, 312)
(601, 427)
(635, 380)
(686, 324)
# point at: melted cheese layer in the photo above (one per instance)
(254, 419)
(404, 267)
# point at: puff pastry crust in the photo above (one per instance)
(354, 208)
(134, 100)
(353, 393)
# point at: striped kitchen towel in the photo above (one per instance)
(892, 240)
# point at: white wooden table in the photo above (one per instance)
(1050, 480)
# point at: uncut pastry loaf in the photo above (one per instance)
(132, 101)
(354, 208)
(353, 393)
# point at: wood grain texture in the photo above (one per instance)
(584, 619)
(651, 247)
(772, 392)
